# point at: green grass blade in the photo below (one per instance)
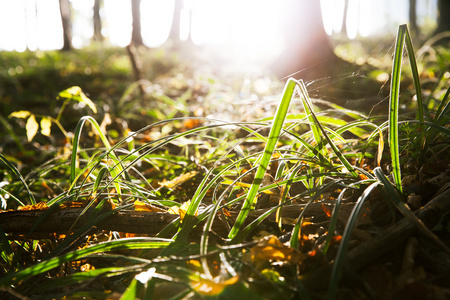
(17, 173)
(121, 244)
(394, 104)
(341, 157)
(274, 134)
(340, 257)
(313, 123)
(115, 170)
(416, 80)
(286, 188)
(440, 120)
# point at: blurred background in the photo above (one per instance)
(251, 24)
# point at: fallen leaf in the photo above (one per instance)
(208, 287)
(271, 249)
(141, 206)
(181, 210)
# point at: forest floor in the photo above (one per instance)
(181, 138)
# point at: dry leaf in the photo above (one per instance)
(208, 287)
(271, 249)
(181, 210)
(141, 206)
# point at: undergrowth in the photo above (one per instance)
(256, 209)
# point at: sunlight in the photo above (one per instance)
(118, 21)
(49, 33)
(245, 28)
(11, 16)
(156, 19)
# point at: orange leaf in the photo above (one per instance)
(141, 206)
(208, 287)
(326, 210)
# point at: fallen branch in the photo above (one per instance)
(61, 221)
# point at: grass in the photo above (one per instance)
(225, 180)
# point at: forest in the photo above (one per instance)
(191, 171)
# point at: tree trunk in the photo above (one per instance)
(443, 19)
(97, 22)
(175, 29)
(344, 19)
(413, 16)
(136, 36)
(307, 53)
(64, 8)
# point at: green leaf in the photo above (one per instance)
(77, 94)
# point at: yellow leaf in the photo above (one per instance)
(20, 114)
(181, 210)
(77, 94)
(31, 127)
(208, 287)
(46, 124)
(271, 249)
(141, 206)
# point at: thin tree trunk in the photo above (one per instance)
(344, 19)
(443, 20)
(175, 29)
(97, 21)
(64, 8)
(413, 16)
(136, 36)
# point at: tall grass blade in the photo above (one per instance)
(394, 104)
(308, 104)
(17, 173)
(274, 134)
(313, 124)
(416, 80)
(116, 170)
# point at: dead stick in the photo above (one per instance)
(137, 67)
(61, 220)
